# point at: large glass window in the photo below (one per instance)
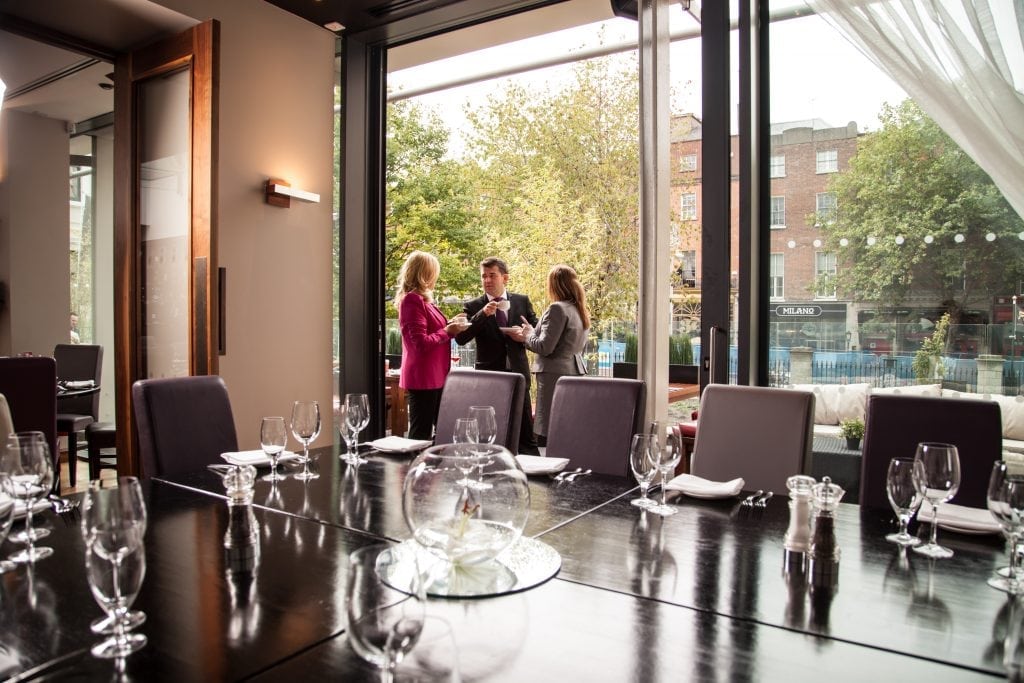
(778, 166)
(688, 163)
(825, 207)
(825, 275)
(688, 206)
(827, 161)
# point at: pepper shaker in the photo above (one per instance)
(824, 551)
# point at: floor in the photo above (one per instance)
(81, 475)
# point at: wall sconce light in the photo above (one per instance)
(280, 193)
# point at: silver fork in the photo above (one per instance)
(575, 475)
(748, 502)
(763, 502)
(65, 507)
(564, 476)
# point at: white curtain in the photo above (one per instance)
(961, 60)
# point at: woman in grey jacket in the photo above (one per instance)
(558, 340)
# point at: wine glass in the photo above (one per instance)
(306, 427)
(27, 461)
(1006, 503)
(384, 604)
(357, 416)
(487, 432)
(113, 526)
(130, 493)
(467, 431)
(8, 501)
(643, 467)
(273, 439)
(904, 498)
(937, 478)
(666, 449)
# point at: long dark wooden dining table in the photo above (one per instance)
(700, 595)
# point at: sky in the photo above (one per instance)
(816, 73)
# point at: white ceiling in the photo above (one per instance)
(65, 85)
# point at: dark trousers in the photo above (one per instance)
(423, 407)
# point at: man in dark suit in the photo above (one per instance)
(498, 308)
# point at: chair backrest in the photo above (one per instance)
(593, 420)
(505, 391)
(30, 385)
(79, 362)
(896, 424)
(762, 434)
(183, 423)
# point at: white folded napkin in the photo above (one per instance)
(961, 518)
(399, 444)
(537, 464)
(256, 458)
(699, 487)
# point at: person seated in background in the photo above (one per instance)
(75, 337)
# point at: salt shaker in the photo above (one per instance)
(798, 535)
(824, 550)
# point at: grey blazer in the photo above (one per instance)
(559, 340)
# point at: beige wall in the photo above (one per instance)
(103, 269)
(34, 244)
(276, 120)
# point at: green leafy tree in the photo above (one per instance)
(558, 182)
(910, 180)
(430, 204)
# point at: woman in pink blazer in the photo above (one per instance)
(426, 341)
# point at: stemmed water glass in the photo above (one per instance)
(273, 439)
(306, 427)
(357, 416)
(904, 498)
(8, 502)
(1006, 503)
(27, 461)
(937, 478)
(467, 432)
(487, 432)
(130, 493)
(384, 605)
(113, 525)
(643, 467)
(666, 448)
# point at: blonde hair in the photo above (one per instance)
(564, 286)
(418, 274)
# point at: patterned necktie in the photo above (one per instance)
(500, 315)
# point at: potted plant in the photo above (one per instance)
(852, 430)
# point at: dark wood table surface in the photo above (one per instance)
(697, 596)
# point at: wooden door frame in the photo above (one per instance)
(196, 49)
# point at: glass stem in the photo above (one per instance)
(119, 611)
(1012, 578)
(305, 457)
(904, 520)
(31, 502)
(935, 523)
(664, 489)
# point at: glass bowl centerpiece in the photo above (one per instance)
(466, 502)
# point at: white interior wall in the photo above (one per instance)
(34, 261)
(276, 120)
(103, 269)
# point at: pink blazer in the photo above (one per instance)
(426, 347)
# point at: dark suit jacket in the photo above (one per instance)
(494, 350)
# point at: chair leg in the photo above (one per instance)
(72, 457)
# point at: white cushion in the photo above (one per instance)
(1012, 446)
(834, 403)
(949, 393)
(1012, 409)
(912, 390)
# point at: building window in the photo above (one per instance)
(688, 206)
(827, 161)
(778, 166)
(825, 275)
(688, 162)
(825, 207)
(778, 220)
(777, 277)
(688, 268)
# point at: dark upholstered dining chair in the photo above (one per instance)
(30, 385)
(502, 390)
(183, 423)
(896, 424)
(761, 434)
(77, 362)
(593, 420)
